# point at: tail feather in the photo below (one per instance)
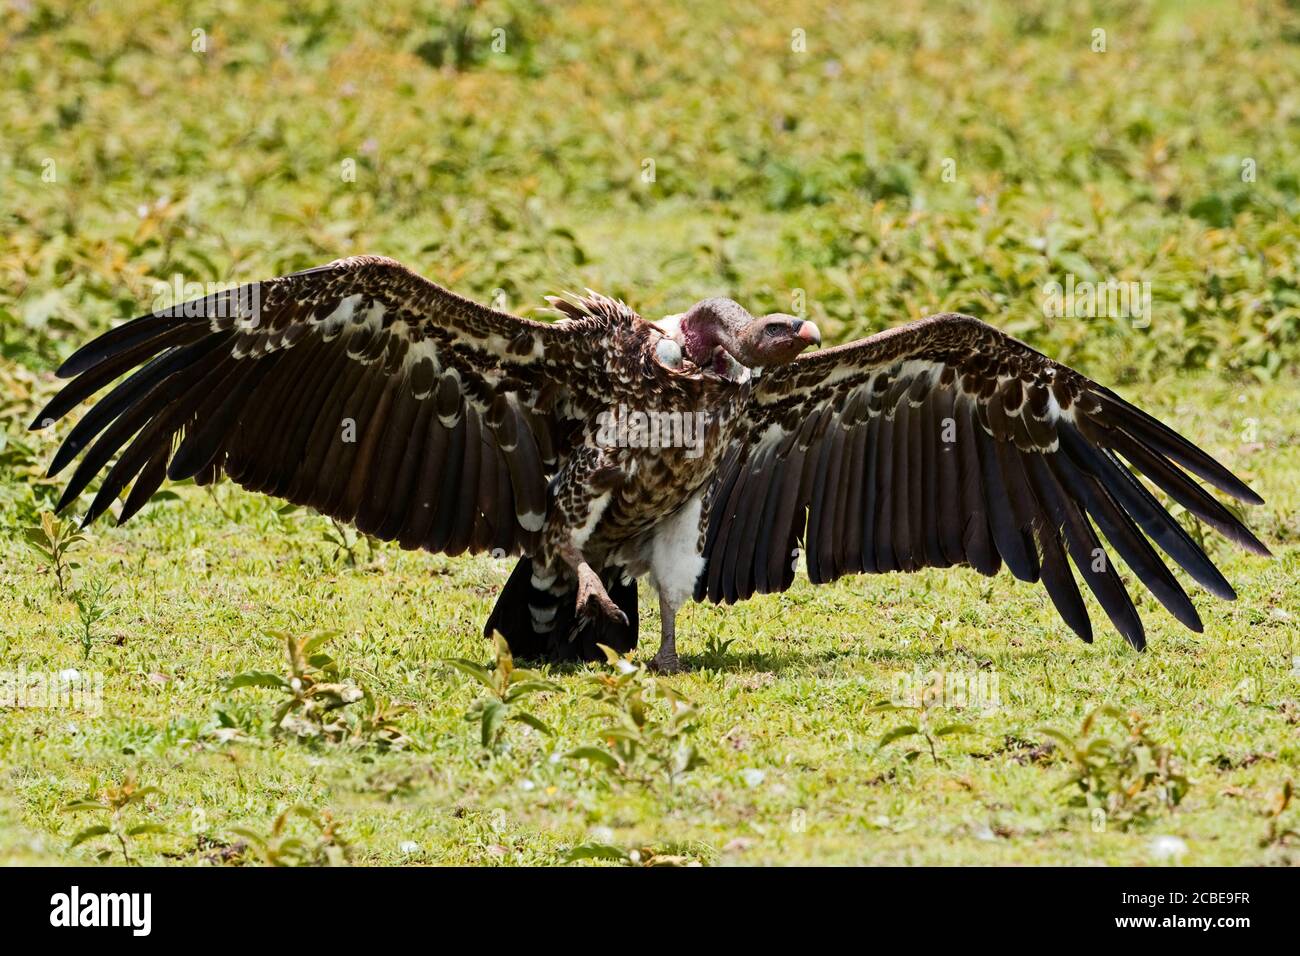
(541, 623)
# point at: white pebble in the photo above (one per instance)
(1168, 847)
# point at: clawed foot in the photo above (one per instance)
(663, 663)
(593, 598)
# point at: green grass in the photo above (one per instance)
(776, 171)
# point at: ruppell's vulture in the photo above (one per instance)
(703, 450)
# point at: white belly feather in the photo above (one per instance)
(675, 560)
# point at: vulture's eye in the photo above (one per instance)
(772, 330)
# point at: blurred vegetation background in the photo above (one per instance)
(503, 148)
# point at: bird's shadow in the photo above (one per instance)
(759, 662)
(778, 662)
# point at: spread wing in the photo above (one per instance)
(359, 388)
(945, 442)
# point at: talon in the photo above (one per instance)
(591, 591)
(668, 664)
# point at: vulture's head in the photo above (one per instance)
(721, 324)
(776, 339)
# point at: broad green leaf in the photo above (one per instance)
(471, 669)
(257, 679)
(530, 687)
(89, 833)
(312, 644)
(595, 755)
(494, 714)
(531, 721)
(140, 828)
(612, 657)
(949, 729)
(1056, 735)
(596, 851)
(76, 805)
(907, 730)
(251, 836)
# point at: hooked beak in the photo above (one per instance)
(809, 332)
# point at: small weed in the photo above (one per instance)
(378, 724)
(1129, 776)
(314, 691)
(323, 845)
(923, 725)
(346, 540)
(641, 739)
(715, 652)
(115, 801)
(52, 540)
(632, 856)
(92, 608)
(508, 686)
(1277, 834)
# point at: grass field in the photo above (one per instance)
(875, 162)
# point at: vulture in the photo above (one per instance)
(708, 450)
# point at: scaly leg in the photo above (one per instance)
(665, 660)
(590, 589)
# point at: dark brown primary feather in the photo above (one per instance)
(948, 442)
(265, 382)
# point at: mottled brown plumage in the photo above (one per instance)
(945, 442)
(380, 398)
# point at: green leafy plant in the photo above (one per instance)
(507, 685)
(1277, 833)
(923, 724)
(715, 651)
(378, 724)
(115, 801)
(92, 608)
(651, 728)
(322, 845)
(53, 539)
(346, 540)
(314, 691)
(631, 856)
(1128, 775)
(281, 518)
